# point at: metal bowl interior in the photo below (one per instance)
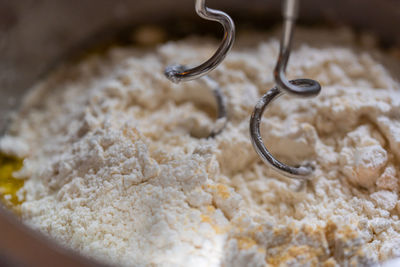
(36, 35)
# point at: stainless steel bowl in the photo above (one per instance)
(36, 34)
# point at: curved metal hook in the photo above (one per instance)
(302, 172)
(298, 87)
(178, 73)
(309, 87)
(221, 106)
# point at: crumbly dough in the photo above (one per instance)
(117, 166)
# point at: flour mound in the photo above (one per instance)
(115, 168)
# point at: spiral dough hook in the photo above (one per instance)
(298, 87)
(177, 73)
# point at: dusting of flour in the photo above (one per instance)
(115, 168)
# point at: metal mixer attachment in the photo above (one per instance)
(298, 87)
(178, 73)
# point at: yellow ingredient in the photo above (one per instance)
(9, 185)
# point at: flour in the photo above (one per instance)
(114, 167)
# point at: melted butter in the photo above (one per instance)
(9, 185)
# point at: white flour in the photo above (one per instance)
(115, 169)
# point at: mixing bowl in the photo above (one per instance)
(37, 34)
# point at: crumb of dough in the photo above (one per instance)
(114, 167)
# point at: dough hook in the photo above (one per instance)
(298, 87)
(177, 73)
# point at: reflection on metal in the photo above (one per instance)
(177, 73)
(298, 87)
